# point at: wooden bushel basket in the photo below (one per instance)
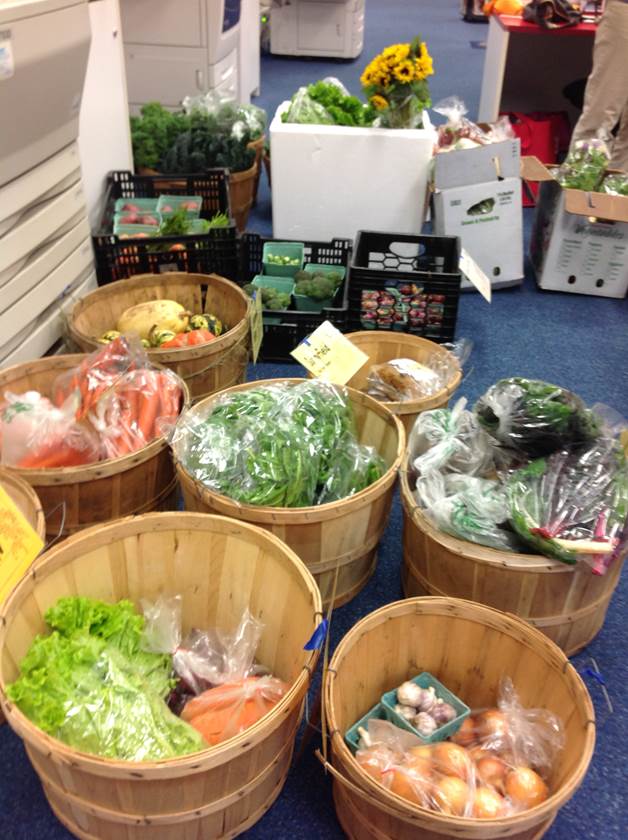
(205, 368)
(469, 648)
(26, 500)
(567, 603)
(77, 497)
(339, 537)
(242, 191)
(383, 346)
(220, 567)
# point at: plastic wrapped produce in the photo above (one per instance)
(615, 184)
(468, 507)
(584, 166)
(535, 418)
(305, 110)
(276, 445)
(90, 684)
(353, 468)
(460, 133)
(450, 440)
(573, 504)
(498, 763)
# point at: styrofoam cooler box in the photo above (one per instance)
(488, 219)
(330, 181)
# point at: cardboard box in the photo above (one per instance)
(464, 167)
(488, 219)
(331, 181)
(579, 240)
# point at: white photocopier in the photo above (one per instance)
(46, 259)
(330, 28)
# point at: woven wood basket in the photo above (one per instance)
(567, 603)
(206, 368)
(220, 567)
(339, 537)
(25, 499)
(258, 147)
(468, 647)
(242, 191)
(381, 346)
(77, 497)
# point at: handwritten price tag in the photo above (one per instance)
(329, 356)
(19, 544)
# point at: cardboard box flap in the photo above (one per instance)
(464, 167)
(533, 170)
(612, 208)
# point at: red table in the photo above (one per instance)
(526, 66)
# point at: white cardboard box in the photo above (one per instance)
(463, 167)
(331, 181)
(579, 240)
(488, 219)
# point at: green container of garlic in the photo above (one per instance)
(424, 706)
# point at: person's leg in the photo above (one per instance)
(619, 159)
(606, 94)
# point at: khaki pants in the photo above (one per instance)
(606, 95)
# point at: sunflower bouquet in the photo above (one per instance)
(395, 83)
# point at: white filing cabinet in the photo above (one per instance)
(46, 257)
(178, 49)
(333, 28)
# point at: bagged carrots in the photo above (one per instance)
(113, 403)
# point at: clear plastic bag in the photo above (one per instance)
(273, 445)
(306, 111)
(499, 763)
(354, 468)
(450, 440)
(467, 507)
(460, 133)
(36, 434)
(206, 658)
(584, 166)
(573, 505)
(243, 122)
(615, 184)
(535, 418)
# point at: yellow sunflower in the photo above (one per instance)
(404, 72)
(398, 52)
(379, 102)
(423, 67)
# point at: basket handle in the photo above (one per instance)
(48, 513)
(339, 777)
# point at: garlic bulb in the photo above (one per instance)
(428, 700)
(409, 694)
(407, 712)
(443, 713)
(425, 724)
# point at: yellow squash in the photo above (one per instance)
(156, 314)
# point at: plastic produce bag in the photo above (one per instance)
(535, 418)
(496, 765)
(584, 166)
(615, 184)
(36, 434)
(239, 120)
(90, 685)
(467, 507)
(354, 468)
(573, 505)
(306, 111)
(450, 440)
(460, 133)
(206, 658)
(274, 445)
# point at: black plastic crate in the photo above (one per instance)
(427, 264)
(212, 252)
(281, 339)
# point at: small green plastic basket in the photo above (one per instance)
(134, 231)
(141, 206)
(320, 268)
(305, 304)
(281, 284)
(425, 680)
(352, 736)
(292, 250)
(169, 204)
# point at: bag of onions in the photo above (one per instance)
(496, 764)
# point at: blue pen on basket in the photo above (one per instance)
(596, 674)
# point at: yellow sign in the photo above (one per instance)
(329, 356)
(19, 544)
(257, 325)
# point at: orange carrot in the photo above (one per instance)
(149, 402)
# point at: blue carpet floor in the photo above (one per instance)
(579, 342)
